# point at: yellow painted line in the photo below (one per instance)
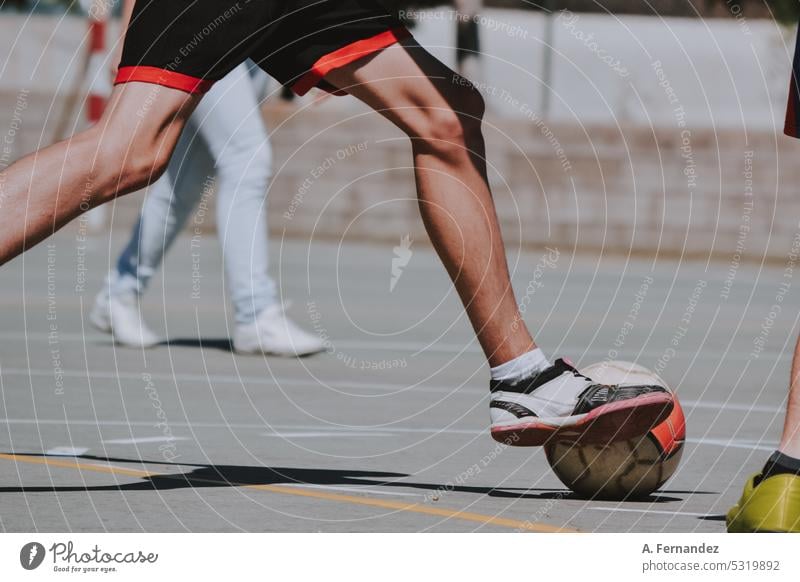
(69, 464)
(311, 493)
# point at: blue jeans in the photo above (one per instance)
(229, 121)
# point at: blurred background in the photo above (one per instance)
(613, 125)
(614, 128)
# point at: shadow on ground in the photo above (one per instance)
(222, 344)
(211, 343)
(202, 476)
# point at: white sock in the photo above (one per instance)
(521, 367)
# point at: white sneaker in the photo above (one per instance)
(121, 317)
(274, 333)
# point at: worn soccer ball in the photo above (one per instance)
(626, 469)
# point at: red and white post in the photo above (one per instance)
(99, 87)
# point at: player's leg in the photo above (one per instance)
(441, 113)
(790, 439)
(126, 150)
(771, 498)
(229, 119)
(443, 119)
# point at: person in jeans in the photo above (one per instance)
(230, 125)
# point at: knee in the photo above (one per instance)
(142, 167)
(457, 127)
(120, 164)
(131, 166)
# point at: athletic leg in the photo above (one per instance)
(441, 114)
(126, 150)
(771, 499)
(790, 439)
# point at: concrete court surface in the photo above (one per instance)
(388, 430)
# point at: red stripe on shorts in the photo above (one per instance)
(346, 55)
(164, 78)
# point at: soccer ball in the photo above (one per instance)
(626, 469)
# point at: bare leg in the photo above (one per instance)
(125, 151)
(441, 113)
(790, 440)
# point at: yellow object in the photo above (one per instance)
(771, 506)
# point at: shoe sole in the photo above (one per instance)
(259, 352)
(616, 421)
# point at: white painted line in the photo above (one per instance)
(353, 489)
(337, 431)
(118, 467)
(339, 385)
(329, 434)
(153, 439)
(244, 380)
(735, 444)
(471, 347)
(468, 347)
(262, 426)
(732, 406)
(655, 511)
(67, 451)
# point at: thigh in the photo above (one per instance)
(406, 84)
(144, 121)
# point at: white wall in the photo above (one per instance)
(724, 72)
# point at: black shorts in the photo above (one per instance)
(189, 44)
(792, 126)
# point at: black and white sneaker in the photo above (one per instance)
(559, 402)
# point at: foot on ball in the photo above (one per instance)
(559, 402)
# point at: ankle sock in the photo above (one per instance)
(780, 464)
(521, 367)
